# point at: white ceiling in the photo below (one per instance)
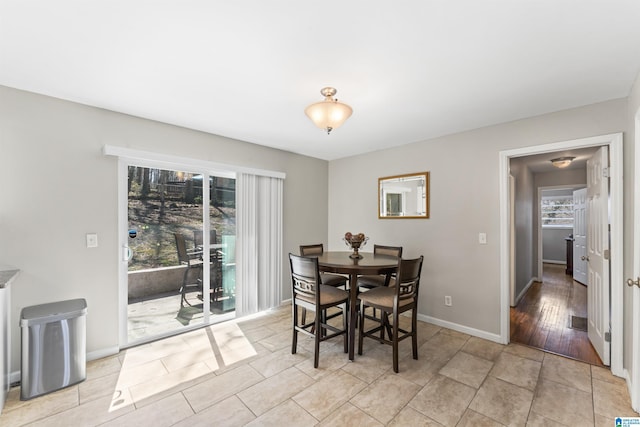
(246, 69)
(541, 163)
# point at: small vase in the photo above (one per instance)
(355, 244)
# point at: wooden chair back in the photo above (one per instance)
(309, 250)
(395, 251)
(305, 277)
(408, 278)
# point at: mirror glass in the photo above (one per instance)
(404, 196)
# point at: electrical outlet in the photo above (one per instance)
(447, 301)
(482, 238)
(92, 240)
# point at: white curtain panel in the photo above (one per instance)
(259, 243)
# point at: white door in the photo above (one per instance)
(634, 282)
(598, 252)
(580, 236)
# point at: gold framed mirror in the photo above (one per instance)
(404, 196)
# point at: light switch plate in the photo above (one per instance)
(92, 240)
(482, 238)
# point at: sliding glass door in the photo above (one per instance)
(180, 251)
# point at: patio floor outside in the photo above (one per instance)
(160, 314)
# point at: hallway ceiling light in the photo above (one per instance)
(562, 162)
(328, 114)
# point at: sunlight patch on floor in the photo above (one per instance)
(154, 369)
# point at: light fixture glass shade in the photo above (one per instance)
(562, 162)
(328, 114)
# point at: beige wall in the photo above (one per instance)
(464, 201)
(57, 186)
(524, 205)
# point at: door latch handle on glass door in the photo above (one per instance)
(631, 282)
(127, 253)
(584, 258)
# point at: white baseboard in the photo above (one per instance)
(526, 288)
(14, 377)
(553, 261)
(99, 354)
(461, 328)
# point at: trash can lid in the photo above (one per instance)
(53, 311)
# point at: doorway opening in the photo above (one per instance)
(177, 234)
(169, 288)
(614, 322)
(547, 306)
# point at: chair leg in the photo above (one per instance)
(414, 333)
(323, 320)
(394, 340)
(360, 328)
(316, 336)
(183, 289)
(294, 341)
(344, 327)
(385, 326)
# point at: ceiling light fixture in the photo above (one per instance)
(562, 162)
(328, 114)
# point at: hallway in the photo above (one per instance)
(542, 317)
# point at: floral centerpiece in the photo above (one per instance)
(355, 241)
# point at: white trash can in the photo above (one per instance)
(53, 347)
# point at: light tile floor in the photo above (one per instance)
(243, 373)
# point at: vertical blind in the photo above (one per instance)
(259, 243)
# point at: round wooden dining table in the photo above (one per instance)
(369, 264)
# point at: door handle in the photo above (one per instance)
(127, 253)
(584, 258)
(631, 282)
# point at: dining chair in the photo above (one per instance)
(392, 301)
(197, 238)
(216, 262)
(193, 262)
(309, 293)
(374, 281)
(328, 279)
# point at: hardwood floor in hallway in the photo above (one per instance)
(542, 317)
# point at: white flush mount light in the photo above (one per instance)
(328, 114)
(562, 162)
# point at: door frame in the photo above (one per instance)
(614, 141)
(128, 157)
(512, 240)
(633, 379)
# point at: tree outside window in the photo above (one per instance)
(557, 211)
